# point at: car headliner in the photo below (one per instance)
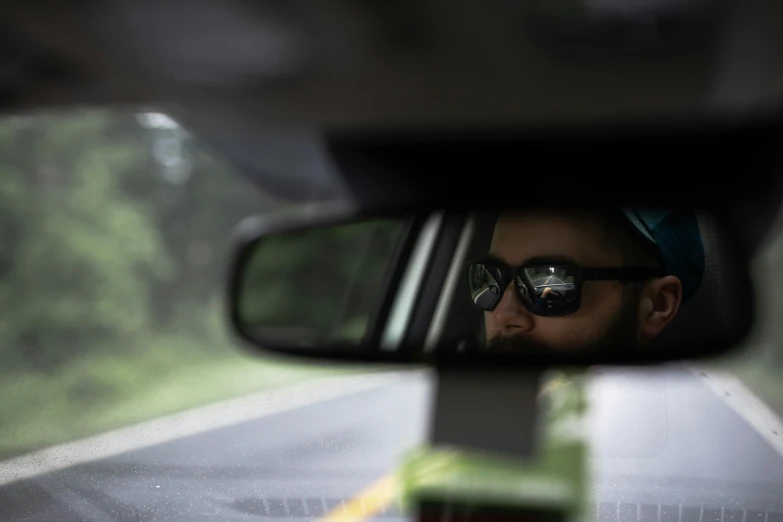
(292, 92)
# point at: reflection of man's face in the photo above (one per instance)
(608, 315)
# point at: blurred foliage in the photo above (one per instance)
(101, 249)
(318, 284)
(116, 228)
(103, 391)
(76, 241)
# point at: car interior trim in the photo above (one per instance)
(447, 296)
(414, 273)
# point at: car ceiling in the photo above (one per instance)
(347, 62)
(261, 79)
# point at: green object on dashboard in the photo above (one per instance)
(551, 485)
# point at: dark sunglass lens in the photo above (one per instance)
(484, 286)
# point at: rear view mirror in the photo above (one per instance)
(542, 286)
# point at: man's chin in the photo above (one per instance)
(521, 344)
(518, 344)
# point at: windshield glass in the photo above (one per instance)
(116, 229)
(123, 396)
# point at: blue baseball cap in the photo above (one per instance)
(676, 235)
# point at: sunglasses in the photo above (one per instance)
(548, 290)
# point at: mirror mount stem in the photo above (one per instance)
(486, 434)
(493, 411)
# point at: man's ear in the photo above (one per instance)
(660, 303)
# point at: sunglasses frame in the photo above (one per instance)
(508, 275)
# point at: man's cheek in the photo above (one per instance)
(562, 331)
(552, 333)
(489, 327)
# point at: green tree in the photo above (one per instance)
(76, 246)
(195, 199)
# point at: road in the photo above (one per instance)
(662, 441)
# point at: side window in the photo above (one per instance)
(319, 285)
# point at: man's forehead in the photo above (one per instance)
(521, 236)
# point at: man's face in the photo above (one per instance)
(608, 315)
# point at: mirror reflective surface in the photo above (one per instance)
(314, 287)
(612, 284)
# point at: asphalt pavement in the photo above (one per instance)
(663, 443)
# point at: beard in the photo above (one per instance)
(619, 336)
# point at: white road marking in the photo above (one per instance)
(190, 422)
(740, 399)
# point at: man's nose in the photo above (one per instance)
(511, 315)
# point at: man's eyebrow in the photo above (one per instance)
(554, 259)
(557, 259)
(492, 258)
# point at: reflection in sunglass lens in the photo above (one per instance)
(524, 292)
(485, 288)
(553, 290)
